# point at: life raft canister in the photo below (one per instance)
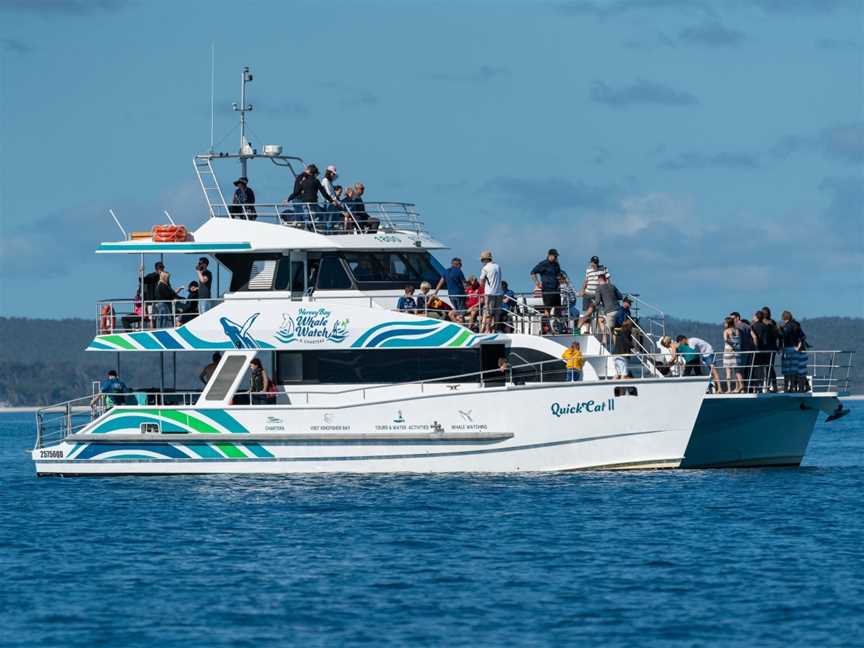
(169, 233)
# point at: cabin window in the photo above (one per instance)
(626, 391)
(250, 271)
(261, 274)
(376, 365)
(382, 270)
(332, 274)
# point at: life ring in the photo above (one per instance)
(107, 320)
(169, 233)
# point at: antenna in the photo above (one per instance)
(212, 92)
(243, 108)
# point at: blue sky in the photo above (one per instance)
(712, 154)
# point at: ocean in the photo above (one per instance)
(721, 557)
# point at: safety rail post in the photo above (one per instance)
(68, 421)
(40, 422)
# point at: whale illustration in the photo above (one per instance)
(239, 334)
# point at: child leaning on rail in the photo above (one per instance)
(575, 361)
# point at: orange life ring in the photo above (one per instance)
(107, 320)
(169, 233)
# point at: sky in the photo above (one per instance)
(712, 154)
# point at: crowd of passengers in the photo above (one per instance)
(344, 210)
(160, 305)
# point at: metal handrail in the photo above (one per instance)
(337, 218)
(125, 315)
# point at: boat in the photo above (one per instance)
(362, 388)
(358, 387)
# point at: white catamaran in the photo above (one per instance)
(359, 387)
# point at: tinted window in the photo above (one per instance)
(393, 268)
(377, 365)
(332, 275)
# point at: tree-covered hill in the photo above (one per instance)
(43, 361)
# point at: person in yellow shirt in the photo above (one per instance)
(573, 357)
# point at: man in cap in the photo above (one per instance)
(244, 200)
(490, 279)
(545, 276)
(332, 215)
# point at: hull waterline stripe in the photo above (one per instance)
(99, 346)
(224, 419)
(197, 343)
(362, 339)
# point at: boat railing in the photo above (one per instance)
(129, 315)
(343, 218)
(810, 371)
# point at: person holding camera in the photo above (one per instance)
(205, 283)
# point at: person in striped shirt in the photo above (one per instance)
(592, 277)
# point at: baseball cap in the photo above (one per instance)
(552, 252)
(595, 259)
(332, 169)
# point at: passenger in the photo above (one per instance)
(569, 300)
(337, 191)
(575, 361)
(259, 383)
(731, 349)
(490, 279)
(111, 389)
(667, 364)
(136, 319)
(509, 304)
(762, 340)
(624, 312)
(243, 203)
(188, 309)
(473, 292)
(150, 281)
(455, 282)
(367, 223)
(545, 277)
(607, 300)
(207, 372)
(690, 357)
(423, 298)
(504, 368)
(706, 353)
(165, 298)
(348, 205)
(442, 309)
(332, 216)
(592, 275)
(307, 188)
(794, 365)
(748, 347)
(773, 346)
(407, 303)
(624, 347)
(205, 285)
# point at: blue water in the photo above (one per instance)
(767, 557)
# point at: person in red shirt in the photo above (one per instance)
(474, 292)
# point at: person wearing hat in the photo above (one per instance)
(332, 215)
(624, 312)
(545, 276)
(244, 200)
(490, 279)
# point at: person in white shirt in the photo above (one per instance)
(708, 359)
(332, 216)
(490, 279)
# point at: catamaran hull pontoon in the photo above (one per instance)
(756, 430)
(524, 428)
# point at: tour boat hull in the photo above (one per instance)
(755, 430)
(441, 429)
